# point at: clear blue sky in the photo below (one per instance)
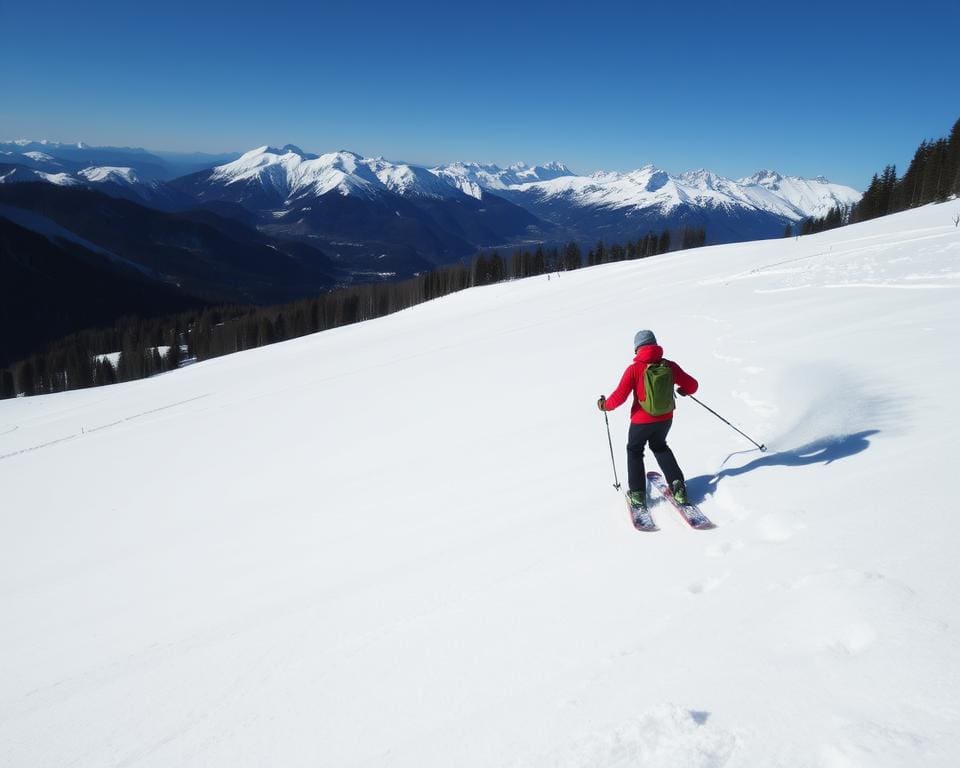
(838, 88)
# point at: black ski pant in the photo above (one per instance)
(656, 435)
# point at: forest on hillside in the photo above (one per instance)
(136, 347)
(933, 176)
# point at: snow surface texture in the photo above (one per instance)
(396, 543)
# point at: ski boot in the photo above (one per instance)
(679, 491)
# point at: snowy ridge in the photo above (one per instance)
(292, 175)
(811, 197)
(60, 179)
(267, 609)
(473, 178)
(92, 176)
(40, 157)
(290, 172)
(649, 187)
(110, 174)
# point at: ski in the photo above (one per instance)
(640, 517)
(694, 517)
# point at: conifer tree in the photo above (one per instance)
(572, 257)
(480, 270)
(26, 378)
(663, 246)
(172, 360)
(495, 270)
(953, 160)
(539, 261)
(7, 388)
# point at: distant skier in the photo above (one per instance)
(651, 379)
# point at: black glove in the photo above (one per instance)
(602, 403)
(681, 393)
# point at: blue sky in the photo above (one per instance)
(838, 89)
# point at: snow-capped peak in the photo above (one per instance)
(110, 174)
(804, 197)
(764, 178)
(40, 157)
(650, 187)
(472, 178)
(290, 172)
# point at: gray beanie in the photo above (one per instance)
(643, 339)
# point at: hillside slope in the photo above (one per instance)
(396, 544)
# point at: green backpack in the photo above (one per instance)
(658, 388)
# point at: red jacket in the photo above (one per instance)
(632, 381)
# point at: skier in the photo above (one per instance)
(651, 414)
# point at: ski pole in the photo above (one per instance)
(759, 445)
(616, 482)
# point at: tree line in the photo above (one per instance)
(135, 348)
(933, 176)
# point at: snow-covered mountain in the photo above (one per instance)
(473, 178)
(364, 549)
(435, 215)
(804, 197)
(149, 166)
(16, 173)
(116, 181)
(133, 174)
(72, 157)
(619, 204)
(289, 173)
(379, 206)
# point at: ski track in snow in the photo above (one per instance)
(394, 544)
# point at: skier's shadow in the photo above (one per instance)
(822, 451)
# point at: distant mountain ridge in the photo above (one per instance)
(58, 157)
(652, 189)
(398, 210)
(413, 216)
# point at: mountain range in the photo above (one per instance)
(275, 224)
(368, 208)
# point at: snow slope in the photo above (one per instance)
(396, 544)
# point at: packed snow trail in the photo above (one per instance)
(395, 544)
